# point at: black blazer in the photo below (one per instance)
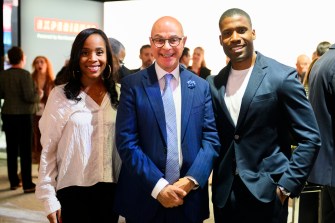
(204, 72)
(123, 71)
(135, 70)
(322, 98)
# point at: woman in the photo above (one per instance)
(43, 77)
(19, 97)
(306, 77)
(79, 164)
(199, 64)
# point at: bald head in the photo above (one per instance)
(167, 22)
(167, 31)
(302, 64)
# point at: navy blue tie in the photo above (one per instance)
(172, 161)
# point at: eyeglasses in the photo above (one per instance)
(173, 41)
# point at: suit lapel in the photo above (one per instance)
(255, 81)
(187, 95)
(151, 87)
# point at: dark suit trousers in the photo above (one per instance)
(167, 215)
(243, 207)
(328, 204)
(19, 135)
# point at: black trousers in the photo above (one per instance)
(19, 133)
(88, 204)
(243, 207)
(328, 204)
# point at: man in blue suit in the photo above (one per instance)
(144, 192)
(322, 97)
(259, 106)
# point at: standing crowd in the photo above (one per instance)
(142, 143)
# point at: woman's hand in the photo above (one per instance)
(55, 217)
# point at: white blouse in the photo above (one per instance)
(78, 140)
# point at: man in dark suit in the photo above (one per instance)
(322, 98)
(185, 57)
(145, 192)
(258, 104)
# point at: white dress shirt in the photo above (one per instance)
(78, 140)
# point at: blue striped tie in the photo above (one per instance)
(172, 160)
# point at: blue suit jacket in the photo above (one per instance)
(322, 98)
(141, 142)
(274, 108)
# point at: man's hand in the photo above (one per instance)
(185, 183)
(282, 197)
(171, 196)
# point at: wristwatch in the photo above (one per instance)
(284, 191)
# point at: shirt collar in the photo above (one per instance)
(160, 72)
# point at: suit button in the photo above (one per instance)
(236, 137)
(165, 150)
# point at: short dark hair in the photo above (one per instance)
(235, 11)
(144, 47)
(186, 50)
(15, 55)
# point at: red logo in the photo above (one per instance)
(59, 26)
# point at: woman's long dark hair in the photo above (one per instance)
(73, 73)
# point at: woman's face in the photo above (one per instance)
(197, 56)
(93, 58)
(40, 65)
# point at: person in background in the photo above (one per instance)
(61, 77)
(199, 64)
(306, 77)
(309, 202)
(146, 57)
(166, 136)
(314, 56)
(322, 97)
(258, 103)
(43, 77)
(185, 57)
(79, 162)
(321, 48)
(303, 62)
(20, 97)
(119, 52)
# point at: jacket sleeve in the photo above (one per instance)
(305, 131)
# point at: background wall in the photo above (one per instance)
(48, 27)
(284, 29)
